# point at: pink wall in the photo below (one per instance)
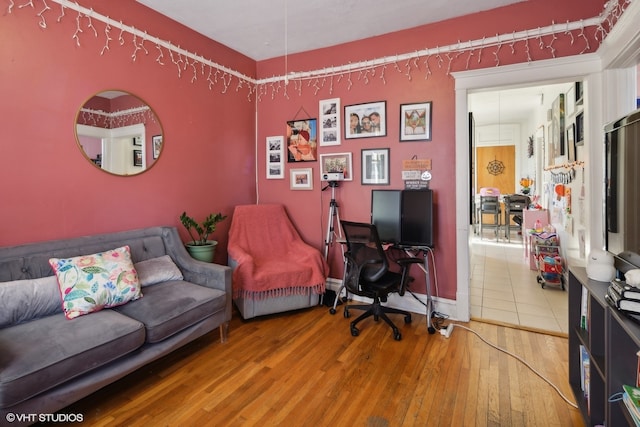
(208, 163)
(48, 188)
(309, 209)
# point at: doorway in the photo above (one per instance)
(503, 288)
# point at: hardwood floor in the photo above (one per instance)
(305, 369)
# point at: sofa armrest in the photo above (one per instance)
(207, 274)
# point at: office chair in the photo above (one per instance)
(490, 205)
(367, 274)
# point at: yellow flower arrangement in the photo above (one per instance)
(526, 183)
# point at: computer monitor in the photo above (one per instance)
(386, 215)
(403, 217)
(417, 218)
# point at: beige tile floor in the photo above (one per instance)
(504, 289)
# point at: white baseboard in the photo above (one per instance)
(407, 302)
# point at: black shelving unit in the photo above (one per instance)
(611, 340)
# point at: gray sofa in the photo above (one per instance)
(48, 361)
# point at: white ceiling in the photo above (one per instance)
(512, 105)
(262, 29)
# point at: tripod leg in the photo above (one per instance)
(328, 237)
(337, 216)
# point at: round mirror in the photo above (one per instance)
(119, 133)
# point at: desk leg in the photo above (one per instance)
(429, 303)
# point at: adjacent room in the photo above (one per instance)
(348, 213)
(510, 126)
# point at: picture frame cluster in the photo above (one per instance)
(303, 137)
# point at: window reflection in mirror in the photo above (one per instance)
(119, 133)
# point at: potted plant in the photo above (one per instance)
(201, 248)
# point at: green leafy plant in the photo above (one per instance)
(203, 229)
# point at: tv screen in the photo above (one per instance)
(417, 218)
(622, 205)
(385, 214)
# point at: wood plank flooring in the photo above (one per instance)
(305, 369)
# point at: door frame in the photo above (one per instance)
(559, 70)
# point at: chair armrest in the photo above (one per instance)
(239, 256)
(405, 263)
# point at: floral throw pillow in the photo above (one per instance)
(92, 282)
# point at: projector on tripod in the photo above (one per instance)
(333, 176)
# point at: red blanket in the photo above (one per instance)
(272, 260)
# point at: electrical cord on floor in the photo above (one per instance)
(520, 359)
(437, 318)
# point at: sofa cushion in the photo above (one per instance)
(90, 283)
(169, 307)
(38, 355)
(157, 270)
(23, 300)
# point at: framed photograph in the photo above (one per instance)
(329, 122)
(137, 141)
(301, 179)
(365, 120)
(415, 122)
(337, 162)
(137, 157)
(275, 154)
(375, 166)
(156, 142)
(579, 93)
(302, 140)
(580, 128)
(571, 145)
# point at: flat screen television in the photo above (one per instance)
(622, 181)
(403, 217)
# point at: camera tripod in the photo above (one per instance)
(334, 216)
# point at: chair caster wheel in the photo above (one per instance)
(397, 335)
(332, 310)
(346, 314)
(431, 330)
(354, 331)
(407, 319)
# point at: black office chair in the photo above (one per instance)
(367, 274)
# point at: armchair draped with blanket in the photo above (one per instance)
(274, 270)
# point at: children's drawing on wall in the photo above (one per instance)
(557, 206)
